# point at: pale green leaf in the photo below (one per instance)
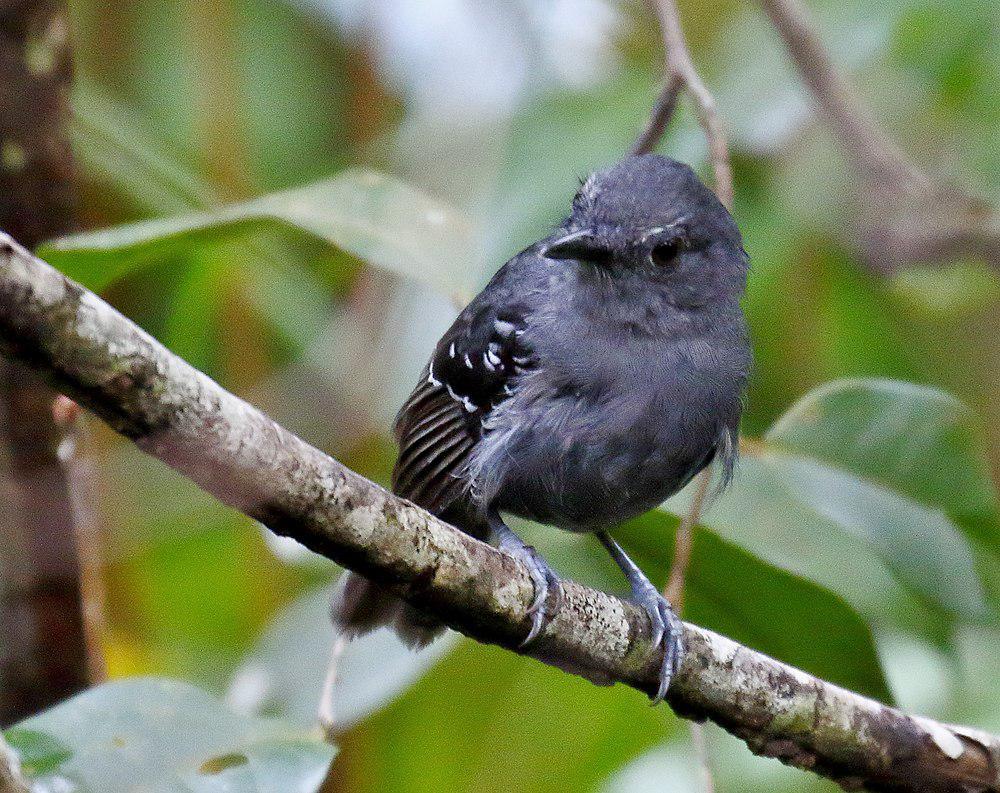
(164, 737)
(367, 214)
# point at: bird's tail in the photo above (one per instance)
(359, 606)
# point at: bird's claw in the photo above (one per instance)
(668, 633)
(544, 580)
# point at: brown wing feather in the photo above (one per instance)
(435, 436)
(473, 369)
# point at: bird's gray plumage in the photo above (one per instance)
(595, 375)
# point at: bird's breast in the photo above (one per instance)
(590, 453)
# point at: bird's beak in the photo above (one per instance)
(583, 245)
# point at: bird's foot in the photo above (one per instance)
(668, 633)
(542, 576)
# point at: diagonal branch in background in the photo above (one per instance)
(177, 414)
(681, 75)
(907, 217)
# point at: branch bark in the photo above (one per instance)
(179, 415)
(39, 577)
(907, 216)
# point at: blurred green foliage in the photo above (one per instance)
(227, 153)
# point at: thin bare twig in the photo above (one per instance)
(684, 542)
(659, 119)
(327, 711)
(77, 459)
(701, 753)
(674, 592)
(866, 142)
(682, 75)
(908, 217)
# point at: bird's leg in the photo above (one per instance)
(542, 575)
(668, 631)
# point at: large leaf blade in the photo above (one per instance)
(833, 493)
(917, 440)
(365, 213)
(165, 736)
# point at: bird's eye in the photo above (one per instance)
(665, 253)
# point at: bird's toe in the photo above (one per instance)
(545, 581)
(667, 633)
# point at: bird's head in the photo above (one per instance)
(649, 219)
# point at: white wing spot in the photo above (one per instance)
(503, 327)
(451, 350)
(488, 363)
(650, 233)
(468, 361)
(430, 376)
(466, 402)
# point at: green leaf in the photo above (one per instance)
(865, 486)
(914, 439)
(367, 214)
(284, 674)
(166, 736)
(38, 752)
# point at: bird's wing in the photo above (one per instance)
(472, 370)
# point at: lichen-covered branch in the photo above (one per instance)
(908, 217)
(234, 451)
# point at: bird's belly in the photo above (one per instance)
(586, 479)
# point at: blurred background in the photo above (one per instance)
(484, 114)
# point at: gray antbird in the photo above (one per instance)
(598, 372)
